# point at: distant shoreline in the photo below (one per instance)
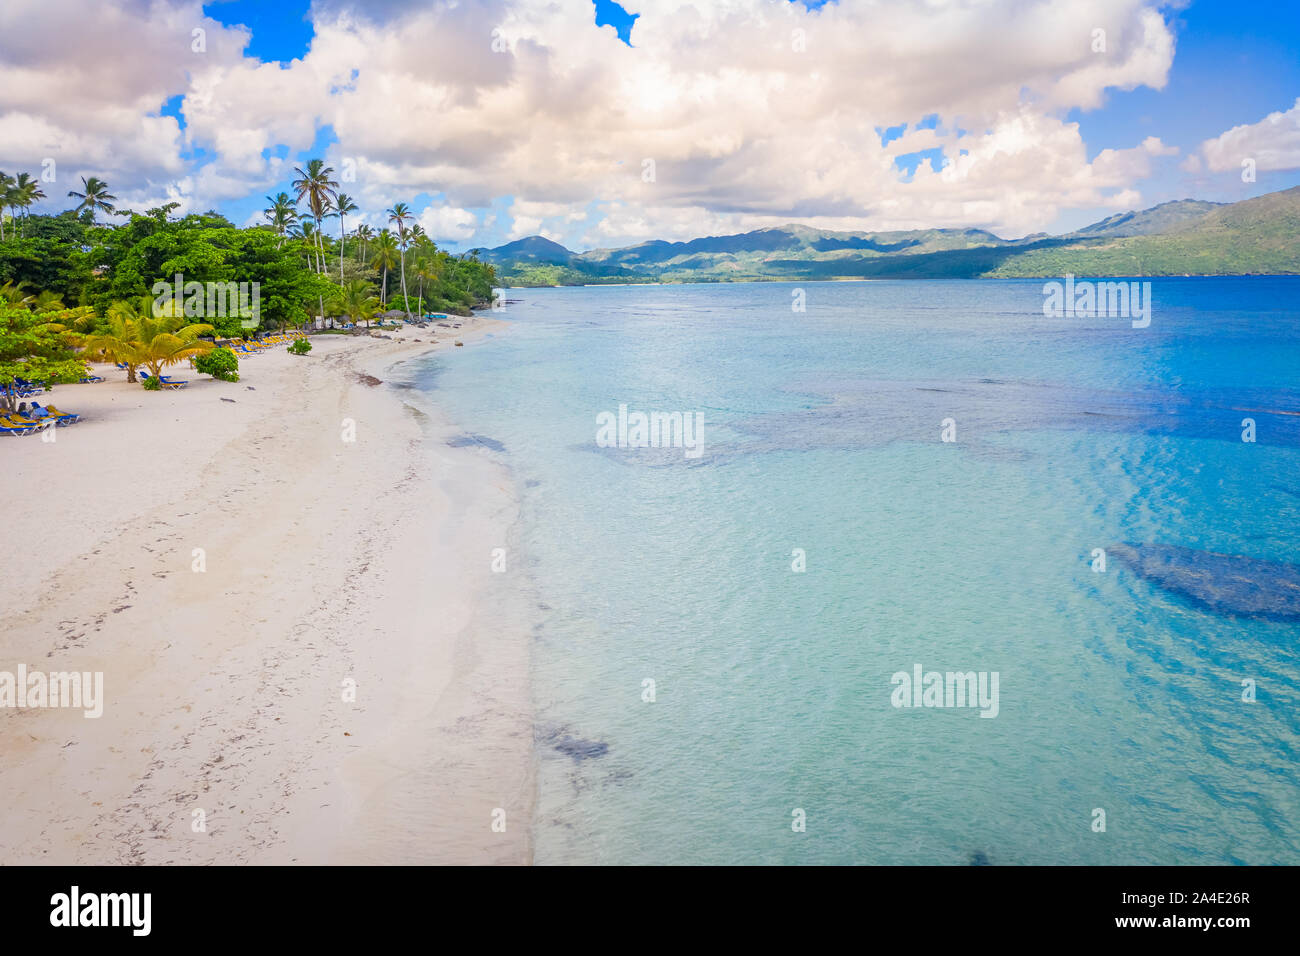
(1187, 237)
(778, 281)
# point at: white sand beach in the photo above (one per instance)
(324, 561)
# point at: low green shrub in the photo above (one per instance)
(219, 363)
(299, 347)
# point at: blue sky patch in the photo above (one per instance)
(609, 13)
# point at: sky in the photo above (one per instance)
(602, 125)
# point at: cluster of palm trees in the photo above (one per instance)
(319, 193)
(17, 193)
(136, 332)
(139, 334)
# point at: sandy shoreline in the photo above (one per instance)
(325, 561)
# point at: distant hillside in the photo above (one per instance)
(1255, 236)
(1258, 236)
(532, 249)
(1157, 219)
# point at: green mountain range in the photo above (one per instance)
(1192, 237)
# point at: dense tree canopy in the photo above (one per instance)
(112, 272)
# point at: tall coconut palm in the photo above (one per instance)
(364, 233)
(315, 184)
(399, 214)
(281, 214)
(426, 270)
(96, 197)
(403, 247)
(343, 205)
(304, 232)
(386, 256)
(6, 189)
(419, 266)
(330, 213)
(356, 300)
(27, 191)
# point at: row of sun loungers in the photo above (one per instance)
(38, 419)
(43, 417)
(255, 346)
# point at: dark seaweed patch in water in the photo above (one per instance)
(1227, 584)
(978, 858)
(582, 749)
(461, 441)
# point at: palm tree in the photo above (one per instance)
(330, 213)
(121, 342)
(365, 234)
(27, 191)
(356, 300)
(426, 269)
(6, 190)
(304, 231)
(385, 258)
(14, 295)
(343, 205)
(96, 196)
(138, 337)
(399, 214)
(314, 183)
(281, 214)
(48, 301)
(419, 263)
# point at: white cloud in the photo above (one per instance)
(84, 84)
(743, 126)
(1273, 143)
(448, 223)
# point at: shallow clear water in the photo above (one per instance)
(821, 432)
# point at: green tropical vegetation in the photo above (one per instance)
(38, 348)
(219, 363)
(79, 285)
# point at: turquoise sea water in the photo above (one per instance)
(822, 432)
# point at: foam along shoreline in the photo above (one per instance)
(298, 665)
